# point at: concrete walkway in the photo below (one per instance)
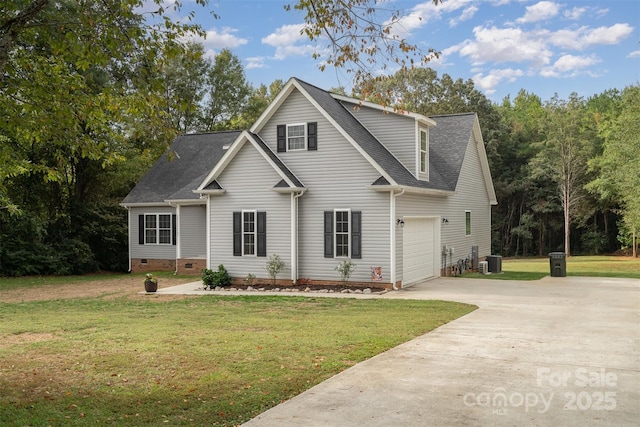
(554, 352)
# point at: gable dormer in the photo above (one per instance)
(404, 134)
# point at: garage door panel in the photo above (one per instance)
(418, 250)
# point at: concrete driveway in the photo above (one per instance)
(554, 352)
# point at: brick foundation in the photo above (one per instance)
(193, 266)
(143, 265)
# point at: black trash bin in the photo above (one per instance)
(558, 264)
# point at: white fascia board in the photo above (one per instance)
(417, 117)
(484, 162)
(270, 161)
(411, 190)
(186, 202)
(217, 192)
(285, 190)
(145, 205)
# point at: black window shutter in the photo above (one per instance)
(282, 138)
(312, 136)
(262, 234)
(174, 233)
(328, 234)
(356, 234)
(141, 229)
(237, 234)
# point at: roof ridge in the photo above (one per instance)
(470, 113)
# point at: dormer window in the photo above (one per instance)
(424, 153)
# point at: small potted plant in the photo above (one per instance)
(150, 283)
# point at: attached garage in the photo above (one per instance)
(420, 243)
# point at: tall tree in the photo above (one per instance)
(185, 83)
(228, 92)
(563, 155)
(362, 37)
(618, 172)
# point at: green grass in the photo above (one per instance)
(192, 361)
(9, 283)
(586, 266)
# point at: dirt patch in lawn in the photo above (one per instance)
(107, 288)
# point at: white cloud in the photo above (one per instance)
(217, 40)
(489, 82)
(570, 66)
(575, 13)
(505, 45)
(423, 13)
(608, 35)
(634, 54)
(465, 16)
(255, 62)
(285, 39)
(571, 62)
(585, 37)
(540, 11)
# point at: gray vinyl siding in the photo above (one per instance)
(248, 181)
(396, 132)
(193, 236)
(471, 195)
(149, 251)
(337, 177)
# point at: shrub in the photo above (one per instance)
(275, 266)
(212, 279)
(346, 269)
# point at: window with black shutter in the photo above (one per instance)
(343, 234)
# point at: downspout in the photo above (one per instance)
(178, 243)
(393, 225)
(294, 235)
(129, 237)
(208, 230)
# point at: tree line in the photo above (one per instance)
(92, 93)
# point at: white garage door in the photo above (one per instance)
(419, 242)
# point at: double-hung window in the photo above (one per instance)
(248, 232)
(343, 234)
(296, 137)
(158, 229)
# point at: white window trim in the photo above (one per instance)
(335, 233)
(423, 173)
(157, 215)
(465, 224)
(255, 231)
(304, 137)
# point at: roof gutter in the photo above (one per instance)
(411, 190)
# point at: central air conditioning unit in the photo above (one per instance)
(483, 267)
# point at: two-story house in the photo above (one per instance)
(318, 178)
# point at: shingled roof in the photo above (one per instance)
(181, 169)
(447, 144)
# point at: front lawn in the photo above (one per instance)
(153, 360)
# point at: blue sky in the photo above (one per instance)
(544, 47)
